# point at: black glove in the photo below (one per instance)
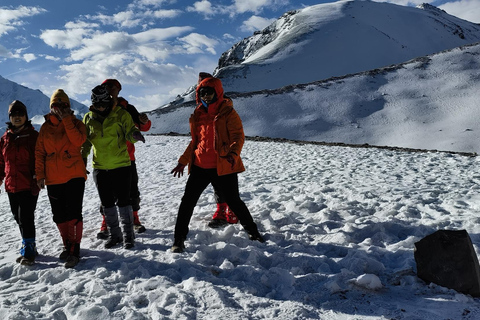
(138, 136)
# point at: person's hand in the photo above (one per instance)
(178, 170)
(230, 159)
(138, 136)
(41, 183)
(143, 118)
(62, 112)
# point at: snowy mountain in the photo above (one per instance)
(406, 105)
(335, 39)
(37, 103)
(296, 57)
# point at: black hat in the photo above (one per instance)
(100, 95)
(17, 105)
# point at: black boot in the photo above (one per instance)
(74, 257)
(178, 246)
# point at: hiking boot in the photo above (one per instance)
(129, 243)
(217, 223)
(178, 246)
(27, 261)
(72, 261)
(111, 242)
(256, 236)
(103, 234)
(220, 212)
(64, 255)
(230, 216)
(139, 228)
(66, 252)
(219, 218)
(137, 225)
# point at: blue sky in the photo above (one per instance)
(155, 48)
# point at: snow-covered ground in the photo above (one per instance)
(340, 225)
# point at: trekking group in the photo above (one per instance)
(56, 156)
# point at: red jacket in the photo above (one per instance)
(17, 160)
(216, 133)
(135, 116)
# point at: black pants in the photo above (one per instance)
(134, 192)
(113, 186)
(66, 200)
(198, 180)
(23, 206)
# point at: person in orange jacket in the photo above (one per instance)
(17, 168)
(223, 215)
(213, 157)
(60, 167)
(144, 124)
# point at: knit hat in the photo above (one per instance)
(100, 95)
(113, 82)
(17, 105)
(59, 96)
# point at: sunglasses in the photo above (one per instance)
(206, 91)
(59, 105)
(101, 105)
(17, 114)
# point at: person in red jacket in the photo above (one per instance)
(213, 157)
(223, 215)
(59, 166)
(17, 168)
(142, 122)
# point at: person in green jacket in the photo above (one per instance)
(109, 127)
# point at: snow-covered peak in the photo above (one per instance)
(335, 39)
(37, 103)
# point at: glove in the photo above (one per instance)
(138, 136)
(143, 118)
(178, 170)
(230, 159)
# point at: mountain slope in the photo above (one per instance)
(334, 39)
(407, 105)
(37, 103)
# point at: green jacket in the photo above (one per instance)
(108, 136)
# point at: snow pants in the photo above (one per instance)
(23, 206)
(134, 192)
(66, 200)
(113, 186)
(197, 182)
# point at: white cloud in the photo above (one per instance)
(206, 8)
(164, 14)
(103, 43)
(256, 6)
(209, 10)
(29, 57)
(52, 58)
(139, 78)
(255, 23)
(63, 39)
(198, 43)
(69, 38)
(464, 9)
(11, 19)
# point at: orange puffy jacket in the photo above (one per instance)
(225, 140)
(57, 152)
